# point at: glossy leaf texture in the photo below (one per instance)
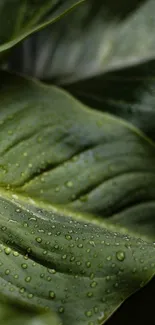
(10, 314)
(127, 93)
(19, 19)
(56, 150)
(55, 260)
(98, 36)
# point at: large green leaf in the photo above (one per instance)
(128, 93)
(10, 314)
(57, 150)
(20, 18)
(97, 36)
(53, 259)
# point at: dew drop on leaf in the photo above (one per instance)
(93, 284)
(120, 256)
(52, 294)
(101, 317)
(80, 246)
(7, 250)
(69, 184)
(88, 264)
(28, 279)
(24, 266)
(7, 271)
(61, 309)
(39, 240)
(68, 237)
(88, 313)
(16, 254)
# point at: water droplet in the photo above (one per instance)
(16, 254)
(24, 266)
(101, 317)
(22, 290)
(92, 275)
(7, 271)
(69, 184)
(72, 259)
(120, 256)
(30, 295)
(68, 237)
(88, 313)
(52, 294)
(61, 309)
(25, 224)
(39, 240)
(64, 257)
(107, 277)
(28, 279)
(48, 278)
(93, 284)
(92, 243)
(57, 189)
(4, 228)
(25, 154)
(80, 246)
(88, 264)
(89, 294)
(7, 250)
(109, 258)
(116, 285)
(52, 271)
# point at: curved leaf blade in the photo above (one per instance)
(127, 93)
(89, 41)
(50, 259)
(57, 150)
(18, 19)
(11, 315)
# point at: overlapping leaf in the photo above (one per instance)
(97, 36)
(56, 150)
(19, 19)
(52, 260)
(128, 93)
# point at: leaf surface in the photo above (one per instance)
(128, 93)
(57, 150)
(51, 259)
(11, 315)
(18, 19)
(88, 41)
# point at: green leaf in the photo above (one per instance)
(55, 149)
(18, 19)
(128, 93)
(51, 259)
(89, 41)
(10, 314)
(138, 309)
